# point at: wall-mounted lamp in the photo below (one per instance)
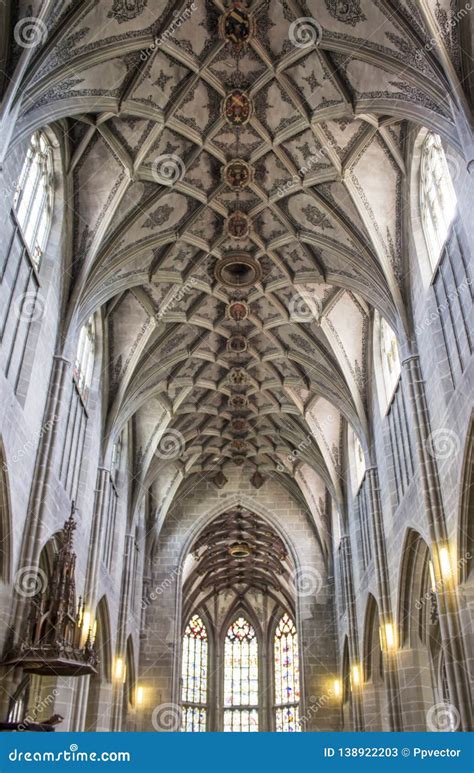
(337, 688)
(445, 563)
(119, 670)
(139, 696)
(355, 677)
(387, 638)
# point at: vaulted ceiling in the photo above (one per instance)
(333, 89)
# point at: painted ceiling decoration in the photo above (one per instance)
(227, 164)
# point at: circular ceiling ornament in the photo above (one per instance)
(238, 225)
(238, 270)
(237, 344)
(237, 174)
(237, 108)
(238, 376)
(236, 26)
(237, 310)
(239, 426)
(240, 550)
(238, 401)
(239, 460)
(239, 446)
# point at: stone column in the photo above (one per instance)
(354, 654)
(446, 591)
(385, 611)
(121, 636)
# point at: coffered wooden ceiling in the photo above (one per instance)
(325, 143)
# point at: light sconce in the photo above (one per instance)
(445, 563)
(355, 677)
(120, 670)
(139, 696)
(387, 638)
(337, 688)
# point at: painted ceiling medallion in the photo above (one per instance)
(239, 446)
(238, 376)
(238, 460)
(237, 174)
(238, 401)
(236, 26)
(257, 480)
(237, 310)
(239, 426)
(240, 550)
(238, 270)
(238, 225)
(237, 108)
(237, 344)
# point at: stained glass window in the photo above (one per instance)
(287, 677)
(194, 676)
(241, 678)
(84, 363)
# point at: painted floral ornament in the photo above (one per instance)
(237, 344)
(239, 426)
(239, 402)
(238, 376)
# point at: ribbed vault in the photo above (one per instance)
(146, 140)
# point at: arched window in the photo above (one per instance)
(194, 676)
(437, 196)
(390, 359)
(241, 678)
(33, 200)
(287, 676)
(357, 461)
(84, 363)
(116, 459)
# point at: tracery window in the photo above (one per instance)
(33, 199)
(390, 359)
(84, 364)
(437, 196)
(287, 677)
(241, 678)
(194, 676)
